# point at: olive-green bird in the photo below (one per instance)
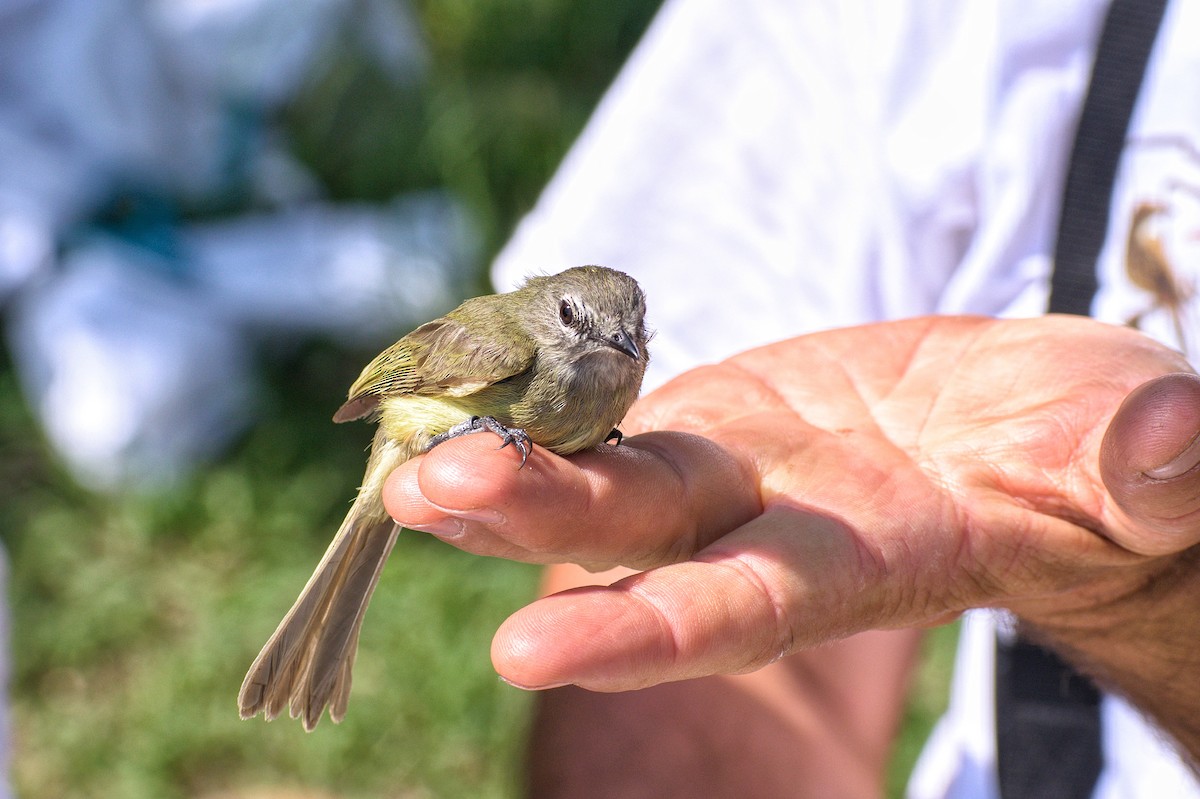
(557, 362)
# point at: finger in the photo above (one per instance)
(1150, 464)
(467, 531)
(777, 584)
(673, 623)
(656, 498)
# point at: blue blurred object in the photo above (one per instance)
(133, 329)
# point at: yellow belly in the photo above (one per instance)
(413, 420)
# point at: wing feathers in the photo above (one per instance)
(444, 357)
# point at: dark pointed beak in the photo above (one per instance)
(622, 342)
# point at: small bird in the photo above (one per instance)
(558, 362)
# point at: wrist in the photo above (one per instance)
(1134, 631)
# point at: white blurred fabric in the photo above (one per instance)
(158, 104)
(771, 168)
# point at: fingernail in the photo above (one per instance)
(448, 529)
(1183, 462)
(481, 515)
(546, 687)
(454, 526)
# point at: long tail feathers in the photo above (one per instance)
(333, 650)
(306, 664)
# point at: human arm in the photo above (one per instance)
(878, 477)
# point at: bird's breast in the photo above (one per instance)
(573, 406)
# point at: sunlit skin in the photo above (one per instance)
(879, 477)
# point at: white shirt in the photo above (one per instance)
(771, 168)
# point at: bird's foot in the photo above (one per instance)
(477, 424)
(616, 435)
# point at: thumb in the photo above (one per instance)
(1150, 464)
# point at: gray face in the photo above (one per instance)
(594, 310)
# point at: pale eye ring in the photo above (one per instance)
(566, 312)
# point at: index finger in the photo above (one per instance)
(656, 498)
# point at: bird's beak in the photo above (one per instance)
(622, 342)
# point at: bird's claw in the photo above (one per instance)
(476, 424)
(508, 435)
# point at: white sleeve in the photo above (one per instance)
(769, 168)
(703, 175)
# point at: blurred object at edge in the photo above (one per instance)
(133, 326)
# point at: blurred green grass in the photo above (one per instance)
(926, 702)
(134, 617)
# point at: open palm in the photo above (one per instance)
(883, 476)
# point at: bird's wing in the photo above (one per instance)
(443, 357)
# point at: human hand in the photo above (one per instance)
(884, 476)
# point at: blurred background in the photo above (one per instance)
(212, 214)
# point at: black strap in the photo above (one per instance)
(1047, 715)
(1047, 725)
(1125, 44)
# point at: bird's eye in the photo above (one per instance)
(566, 312)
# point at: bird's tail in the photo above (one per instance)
(305, 664)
